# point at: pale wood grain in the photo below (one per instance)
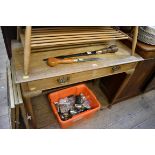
(49, 83)
(27, 49)
(40, 70)
(134, 42)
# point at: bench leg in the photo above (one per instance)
(27, 50)
(13, 118)
(134, 42)
(17, 117)
(29, 108)
(23, 113)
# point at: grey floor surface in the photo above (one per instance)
(137, 112)
(4, 109)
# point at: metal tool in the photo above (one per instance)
(54, 61)
(86, 105)
(70, 106)
(110, 49)
(73, 112)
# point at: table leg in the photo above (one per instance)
(18, 30)
(17, 117)
(27, 103)
(23, 113)
(29, 108)
(13, 118)
(122, 87)
(134, 42)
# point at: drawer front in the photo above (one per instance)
(78, 77)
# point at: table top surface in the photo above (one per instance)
(40, 70)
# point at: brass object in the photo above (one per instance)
(116, 68)
(63, 79)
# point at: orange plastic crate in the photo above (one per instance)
(76, 90)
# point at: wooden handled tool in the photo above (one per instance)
(110, 49)
(54, 61)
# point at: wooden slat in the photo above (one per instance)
(60, 39)
(55, 37)
(74, 42)
(82, 37)
(61, 28)
(76, 36)
(41, 34)
(59, 50)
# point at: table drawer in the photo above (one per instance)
(78, 77)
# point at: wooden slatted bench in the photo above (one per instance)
(51, 38)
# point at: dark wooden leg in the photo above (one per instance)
(18, 29)
(125, 82)
(28, 104)
(23, 112)
(17, 116)
(13, 118)
(29, 108)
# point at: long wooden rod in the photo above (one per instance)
(27, 49)
(134, 42)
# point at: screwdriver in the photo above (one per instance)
(55, 61)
